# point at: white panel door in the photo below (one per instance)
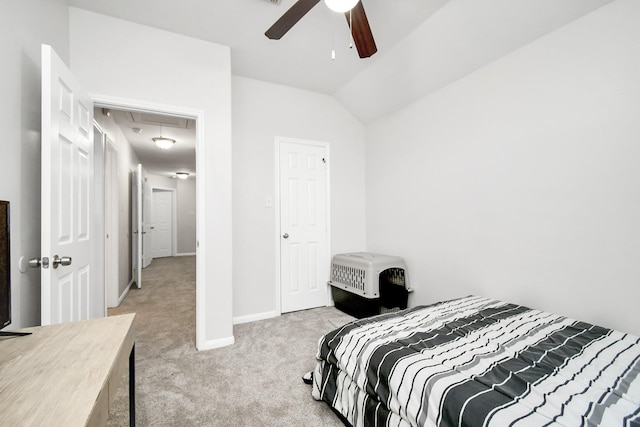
(136, 226)
(163, 223)
(304, 268)
(147, 225)
(67, 195)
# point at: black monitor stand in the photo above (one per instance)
(13, 334)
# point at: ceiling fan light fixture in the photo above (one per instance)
(182, 175)
(164, 143)
(341, 6)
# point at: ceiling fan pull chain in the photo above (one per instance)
(333, 38)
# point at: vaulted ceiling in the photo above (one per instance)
(423, 45)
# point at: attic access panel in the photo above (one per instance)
(160, 120)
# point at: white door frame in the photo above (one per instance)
(174, 213)
(278, 240)
(201, 247)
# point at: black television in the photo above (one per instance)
(5, 271)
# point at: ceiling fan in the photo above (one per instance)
(356, 18)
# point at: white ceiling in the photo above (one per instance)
(302, 58)
(463, 36)
(423, 45)
(181, 157)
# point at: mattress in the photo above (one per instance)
(476, 361)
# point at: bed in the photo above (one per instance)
(476, 361)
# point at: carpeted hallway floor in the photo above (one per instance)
(255, 382)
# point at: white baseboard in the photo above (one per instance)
(254, 317)
(124, 293)
(220, 342)
(186, 254)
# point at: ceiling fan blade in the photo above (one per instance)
(290, 18)
(361, 32)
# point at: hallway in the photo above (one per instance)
(165, 333)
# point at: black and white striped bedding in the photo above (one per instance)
(479, 362)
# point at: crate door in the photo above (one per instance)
(304, 264)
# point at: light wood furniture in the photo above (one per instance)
(66, 374)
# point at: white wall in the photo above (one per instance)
(186, 212)
(160, 181)
(119, 59)
(521, 180)
(262, 111)
(25, 25)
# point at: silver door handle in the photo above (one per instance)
(285, 235)
(65, 260)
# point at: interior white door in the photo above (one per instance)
(163, 223)
(147, 224)
(136, 226)
(304, 269)
(67, 195)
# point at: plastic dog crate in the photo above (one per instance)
(365, 284)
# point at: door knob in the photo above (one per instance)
(285, 235)
(65, 260)
(39, 262)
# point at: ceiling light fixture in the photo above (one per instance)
(182, 175)
(341, 6)
(164, 143)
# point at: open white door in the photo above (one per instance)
(304, 266)
(137, 228)
(67, 196)
(147, 225)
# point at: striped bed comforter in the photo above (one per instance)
(479, 362)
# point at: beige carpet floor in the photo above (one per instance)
(255, 382)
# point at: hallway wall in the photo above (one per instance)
(127, 162)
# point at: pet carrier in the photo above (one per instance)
(365, 284)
